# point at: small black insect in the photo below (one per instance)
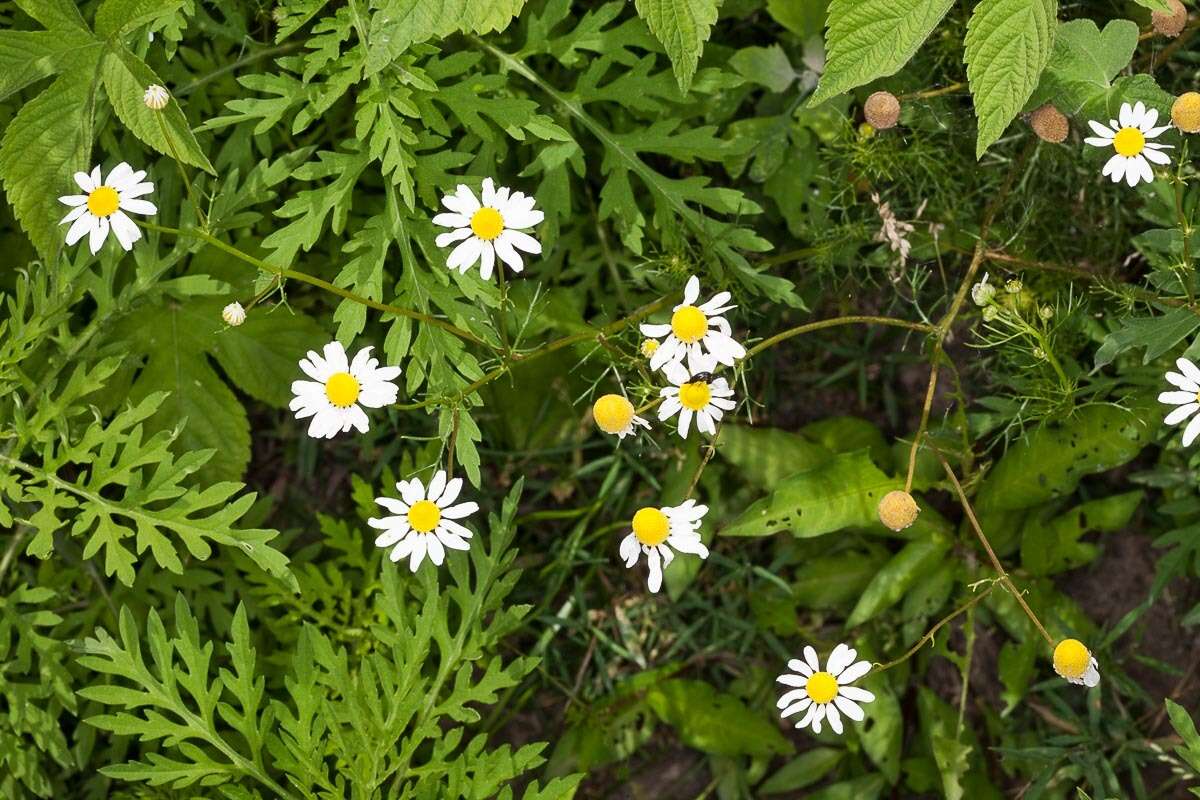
(701, 377)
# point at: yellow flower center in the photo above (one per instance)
(1071, 659)
(651, 526)
(821, 687)
(695, 395)
(424, 515)
(649, 347)
(1129, 141)
(341, 389)
(612, 413)
(689, 324)
(487, 223)
(103, 201)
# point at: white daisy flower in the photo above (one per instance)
(1074, 662)
(488, 227)
(694, 393)
(826, 694)
(695, 330)
(614, 414)
(104, 206)
(1128, 137)
(657, 530)
(423, 522)
(1187, 400)
(338, 390)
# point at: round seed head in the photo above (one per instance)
(1049, 124)
(898, 510)
(1170, 23)
(1185, 113)
(882, 110)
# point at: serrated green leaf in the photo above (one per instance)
(766, 66)
(114, 18)
(1084, 62)
(399, 24)
(125, 80)
(682, 26)
(49, 139)
(1008, 44)
(1157, 334)
(1155, 5)
(869, 39)
(29, 56)
(54, 14)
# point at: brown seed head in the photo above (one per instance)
(1170, 23)
(898, 510)
(1049, 124)
(882, 110)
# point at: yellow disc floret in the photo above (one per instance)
(612, 413)
(1185, 112)
(424, 515)
(651, 526)
(487, 223)
(898, 510)
(103, 201)
(649, 347)
(1071, 659)
(695, 396)
(689, 324)
(1129, 141)
(342, 389)
(822, 687)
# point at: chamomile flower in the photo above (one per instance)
(423, 522)
(103, 205)
(489, 226)
(1129, 137)
(825, 694)
(659, 532)
(339, 389)
(614, 414)
(1186, 400)
(1074, 662)
(695, 330)
(694, 394)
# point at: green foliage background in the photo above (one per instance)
(190, 604)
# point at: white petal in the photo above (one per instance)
(1183, 382)
(447, 239)
(1102, 132)
(508, 255)
(655, 580)
(855, 693)
(97, 235)
(437, 553)
(1189, 370)
(82, 226)
(1177, 398)
(1181, 413)
(522, 241)
(854, 672)
(461, 510)
(125, 230)
(691, 292)
(466, 254)
(850, 708)
(85, 182)
(835, 719)
(810, 655)
(453, 487)
(1191, 431)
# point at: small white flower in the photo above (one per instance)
(1074, 663)
(695, 330)
(338, 390)
(104, 206)
(1129, 137)
(488, 227)
(827, 694)
(423, 523)
(983, 292)
(233, 314)
(614, 414)
(707, 400)
(657, 530)
(156, 97)
(1187, 399)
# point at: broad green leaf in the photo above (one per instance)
(1181, 721)
(1050, 460)
(844, 434)
(48, 140)
(115, 18)
(397, 25)
(1084, 62)
(1128, 89)
(804, 18)
(1050, 546)
(1008, 44)
(837, 580)
(882, 733)
(29, 56)
(714, 722)
(867, 787)
(843, 492)
(1157, 334)
(1018, 666)
(54, 14)
(766, 66)
(916, 561)
(125, 80)
(1155, 5)
(682, 26)
(804, 770)
(869, 39)
(765, 456)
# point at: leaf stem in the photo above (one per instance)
(967, 606)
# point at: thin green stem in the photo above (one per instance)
(833, 323)
(187, 183)
(967, 606)
(283, 272)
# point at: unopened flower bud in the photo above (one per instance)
(233, 314)
(1013, 286)
(983, 292)
(1049, 124)
(1047, 312)
(990, 313)
(156, 97)
(1185, 113)
(882, 110)
(1039, 354)
(898, 510)
(1170, 23)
